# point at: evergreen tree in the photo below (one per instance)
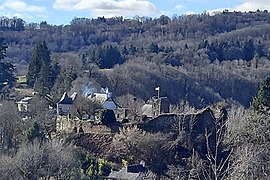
(106, 57)
(34, 133)
(249, 49)
(40, 71)
(6, 68)
(63, 83)
(261, 102)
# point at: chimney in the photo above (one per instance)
(142, 163)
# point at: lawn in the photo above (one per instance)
(21, 79)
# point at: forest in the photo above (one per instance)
(219, 60)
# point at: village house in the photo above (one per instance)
(104, 98)
(89, 122)
(130, 172)
(64, 105)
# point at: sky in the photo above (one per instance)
(61, 12)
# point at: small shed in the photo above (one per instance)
(23, 104)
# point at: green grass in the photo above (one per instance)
(21, 79)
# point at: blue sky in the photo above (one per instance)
(63, 11)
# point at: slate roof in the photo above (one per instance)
(146, 110)
(65, 99)
(131, 172)
(25, 100)
(104, 99)
(136, 168)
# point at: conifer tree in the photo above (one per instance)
(34, 133)
(40, 70)
(261, 102)
(6, 68)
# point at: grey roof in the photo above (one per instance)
(136, 168)
(123, 174)
(25, 100)
(65, 99)
(131, 172)
(146, 110)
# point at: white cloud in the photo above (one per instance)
(247, 5)
(109, 8)
(21, 15)
(252, 5)
(21, 9)
(21, 6)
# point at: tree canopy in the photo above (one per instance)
(261, 102)
(40, 71)
(6, 68)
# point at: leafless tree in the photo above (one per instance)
(43, 115)
(134, 145)
(218, 157)
(218, 162)
(10, 125)
(131, 102)
(46, 159)
(251, 157)
(83, 106)
(182, 107)
(8, 169)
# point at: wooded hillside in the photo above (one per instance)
(197, 58)
(208, 62)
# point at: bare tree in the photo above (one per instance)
(217, 160)
(134, 145)
(131, 102)
(182, 107)
(83, 106)
(43, 115)
(10, 125)
(251, 157)
(47, 159)
(8, 169)
(218, 157)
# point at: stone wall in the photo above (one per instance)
(66, 125)
(189, 123)
(190, 127)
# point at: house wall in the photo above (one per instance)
(159, 106)
(189, 123)
(120, 114)
(22, 107)
(63, 109)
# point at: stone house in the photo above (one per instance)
(65, 103)
(155, 107)
(89, 122)
(192, 126)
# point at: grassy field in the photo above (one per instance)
(21, 79)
